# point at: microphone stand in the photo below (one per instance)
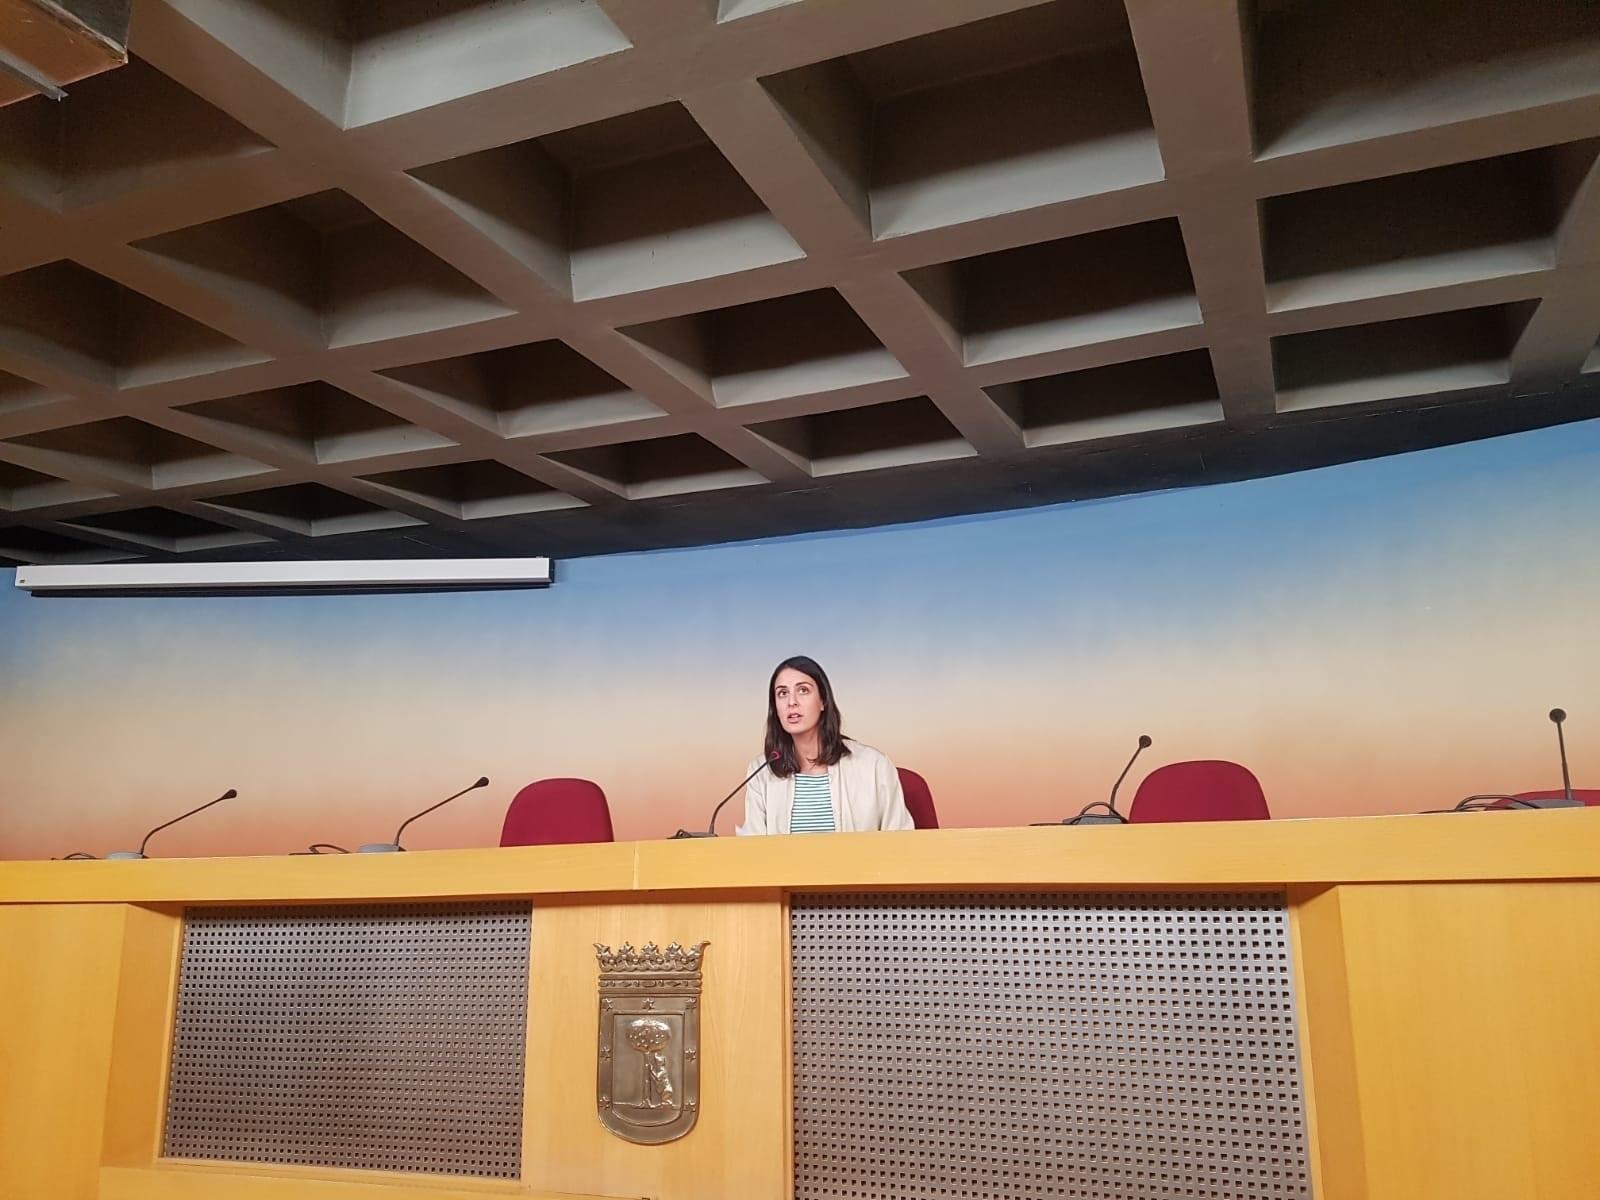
(1495, 800)
(711, 829)
(1087, 815)
(1557, 716)
(139, 853)
(395, 847)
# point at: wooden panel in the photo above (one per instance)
(419, 874)
(197, 1181)
(1450, 1028)
(1474, 1017)
(1555, 844)
(142, 1039)
(60, 967)
(1501, 845)
(13, 90)
(64, 41)
(739, 1148)
(1327, 1048)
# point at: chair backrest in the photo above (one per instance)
(1589, 796)
(919, 799)
(1203, 790)
(553, 812)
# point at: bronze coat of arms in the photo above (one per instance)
(648, 1084)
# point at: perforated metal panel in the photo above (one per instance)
(1098, 1047)
(387, 1036)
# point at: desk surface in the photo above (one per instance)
(1409, 988)
(1558, 844)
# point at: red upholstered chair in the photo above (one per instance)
(553, 812)
(1205, 790)
(919, 799)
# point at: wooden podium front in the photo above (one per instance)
(1352, 1009)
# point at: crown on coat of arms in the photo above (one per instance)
(650, 959)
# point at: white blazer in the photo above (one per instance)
(864, 785)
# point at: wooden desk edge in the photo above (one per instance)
(177, 1179)
(1558, 844)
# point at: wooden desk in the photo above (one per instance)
(1447, 978)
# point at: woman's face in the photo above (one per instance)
(798, 701)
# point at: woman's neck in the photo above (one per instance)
(808, 748)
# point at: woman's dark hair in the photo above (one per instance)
(830, 741)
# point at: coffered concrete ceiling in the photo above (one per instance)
(312, 278)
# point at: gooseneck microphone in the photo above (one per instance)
(1557, 716)
(139, 853)
(395, 846)
(1489, 801)
(1144, 744)
(1088, 816)
(711, 829)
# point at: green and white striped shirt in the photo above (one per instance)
(813, 805)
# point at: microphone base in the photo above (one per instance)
(380, 848)
(1097, 819)
(691, 833)
(123, 854)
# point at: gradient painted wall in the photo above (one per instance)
(1378, 637)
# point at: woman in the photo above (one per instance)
(817, 780)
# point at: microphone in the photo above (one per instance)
(1144, 744)
(395, 846)
(1557, 716)
(139, 853)
(1496, 800)
(1087, 816)
(711, 829)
